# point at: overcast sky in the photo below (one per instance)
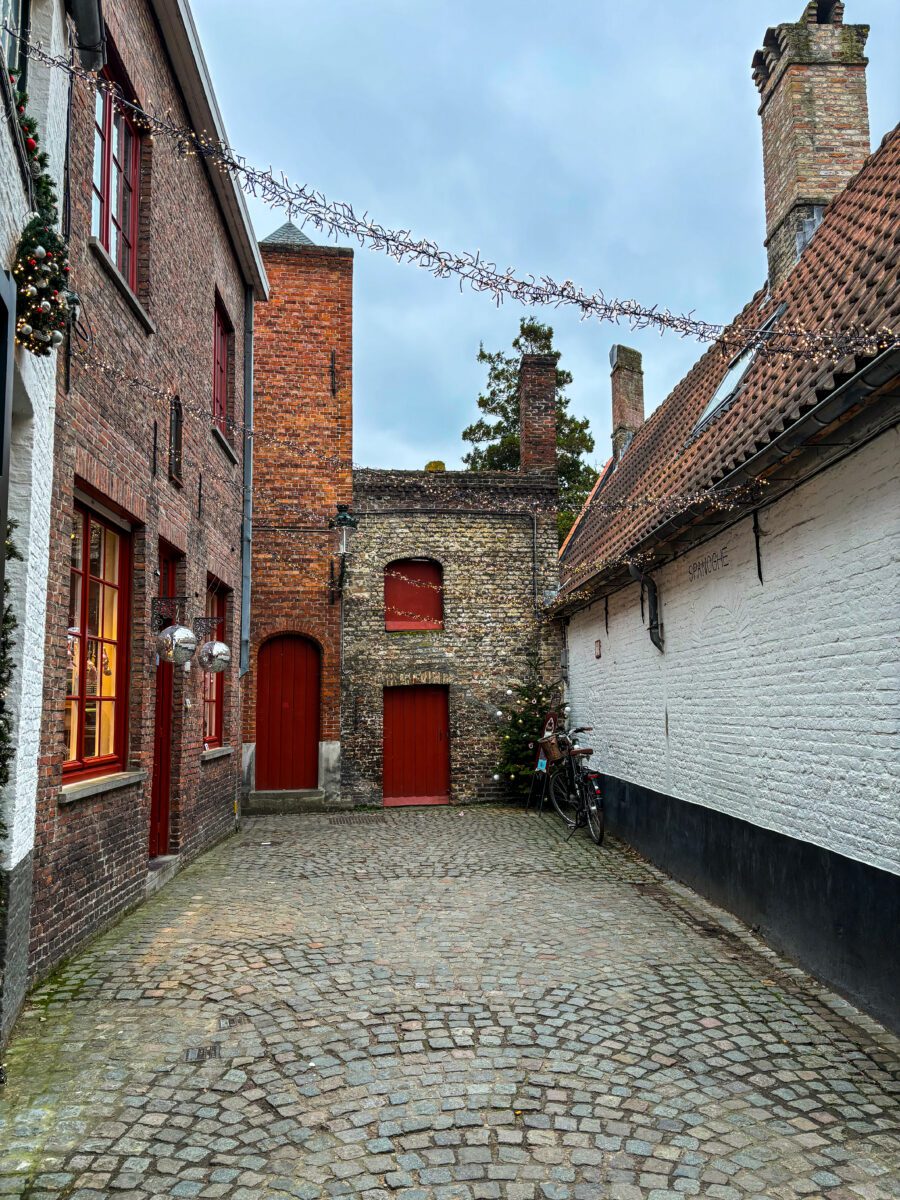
(612, 142)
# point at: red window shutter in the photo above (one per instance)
(413, 594)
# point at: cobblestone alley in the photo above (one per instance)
(448, 1004)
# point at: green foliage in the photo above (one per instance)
(7, 629)
(525, 707)
(41, 266)
(495, 436)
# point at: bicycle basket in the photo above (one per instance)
(551, 747)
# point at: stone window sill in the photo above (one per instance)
(102, 255)
(224, 445)
(218, 752)
(70, 793)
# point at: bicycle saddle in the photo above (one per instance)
(582, 752)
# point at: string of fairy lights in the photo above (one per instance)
(339, 218)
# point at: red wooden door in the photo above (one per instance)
(161, 785)
(287, 714)
(416, 746)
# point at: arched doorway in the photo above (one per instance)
(287, 714)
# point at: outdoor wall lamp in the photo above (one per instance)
(345, 522)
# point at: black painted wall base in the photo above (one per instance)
(15, 931)
(836, 917)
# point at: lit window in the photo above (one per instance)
(116, 183)
(97, 647)
(413, 594)
(176, 434)
(222, 337)
(214, 681)
(727, 390)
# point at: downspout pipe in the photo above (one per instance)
(646, 581)
(88, 18)
(247, 516)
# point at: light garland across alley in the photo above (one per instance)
(470, 268)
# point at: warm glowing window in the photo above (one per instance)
(116, 184)
(97, 646)
(222, 336)
(214, 681)
(413, 594)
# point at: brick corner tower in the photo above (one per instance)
(302, 473)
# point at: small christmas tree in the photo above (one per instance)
(521, 721)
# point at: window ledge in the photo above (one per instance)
(223, 443)
(106, 262)
(69, 793)
(217, 752)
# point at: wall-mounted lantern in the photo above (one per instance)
(345, 522)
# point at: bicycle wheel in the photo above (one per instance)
(593, 810)
(565, 800)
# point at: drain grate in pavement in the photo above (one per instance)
(234, 1022)
(201, 1054)
(358, 819)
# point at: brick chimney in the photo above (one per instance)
(537, 414)
(627, 397)
(815, 123)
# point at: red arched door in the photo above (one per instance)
(287, 714)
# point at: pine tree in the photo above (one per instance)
(496, 444)
(521, 722)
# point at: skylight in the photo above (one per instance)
(734, 376)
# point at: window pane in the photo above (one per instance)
(92, 669)
(74, 602)
(95, 217)
(98, 160)
(108, 670)
(110, 613)
(96, 549)
(117, 136)
(110, 556)
(93, 612)
(107, 733)
(70, 724)
(73, 654)
(98, 107)
(91, 730)
(77, 547)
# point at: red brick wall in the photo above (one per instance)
(537, 413)
(91, 855)
(627, 396)
(302, 458)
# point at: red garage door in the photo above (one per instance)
(287, 715)
(416, 746)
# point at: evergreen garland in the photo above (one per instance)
(41, 266)
(7, 628)
(521, 724)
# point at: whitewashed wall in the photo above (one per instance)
(776, 703)
(31, 449)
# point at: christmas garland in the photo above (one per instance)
(41, 266)
(7, 629)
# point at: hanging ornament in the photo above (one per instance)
(56, 338)
(176, 644)
(31, 144)
(40, 252)
(25, 330)
(214, 656)
(44, 306)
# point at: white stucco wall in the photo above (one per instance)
(31, 449)
(777, 703)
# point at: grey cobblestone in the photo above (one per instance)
(449, 1005)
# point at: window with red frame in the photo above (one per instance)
(413, 594)
(117, 164)
(214, 681)
(222, 335)
(97, 647)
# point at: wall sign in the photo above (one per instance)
(709, 564)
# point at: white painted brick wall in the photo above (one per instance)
(783, 700)
(31, 450)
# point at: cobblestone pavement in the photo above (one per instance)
(449, 1004)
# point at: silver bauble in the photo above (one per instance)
(40, 252)
(56, 338)
(25, 330)
(176, 644)
(44, 306)
(214, 656)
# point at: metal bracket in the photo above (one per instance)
(165, 610)
(205, 627)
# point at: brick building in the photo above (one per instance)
(739, 660)
(408, 614)
(139, 764)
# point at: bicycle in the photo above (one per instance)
(574, 790)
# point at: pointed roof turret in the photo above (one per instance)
(287, 235)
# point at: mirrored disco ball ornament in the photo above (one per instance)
(176, 644)
(214, 656)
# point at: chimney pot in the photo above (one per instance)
(627, 397)
(537, 414)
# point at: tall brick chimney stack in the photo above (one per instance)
(537, 414)
(627, 397)
(815, 123)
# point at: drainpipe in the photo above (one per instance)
(247, 518)
(656, 630)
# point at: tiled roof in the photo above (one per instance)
(847, 278)
(287, 235)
